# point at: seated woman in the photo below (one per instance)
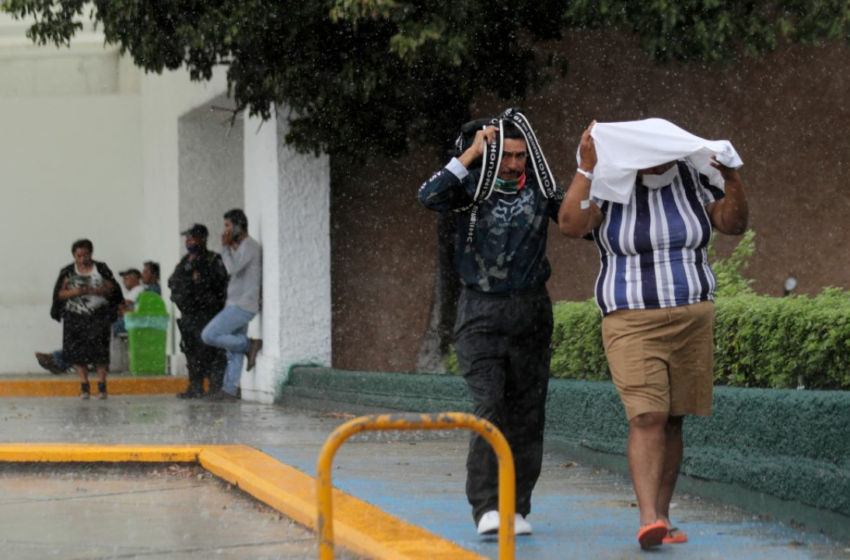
(655, 290)
(86, 298)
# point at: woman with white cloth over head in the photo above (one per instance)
(652, 226)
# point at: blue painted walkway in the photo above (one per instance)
(578, 511)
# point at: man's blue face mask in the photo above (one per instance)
(194, 248)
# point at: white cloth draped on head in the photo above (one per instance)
(623, 148)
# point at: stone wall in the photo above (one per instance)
(787, 114)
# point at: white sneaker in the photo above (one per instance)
(521, 526)
(489, 523)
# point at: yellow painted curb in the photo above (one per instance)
(76, 453)
(71, 387)
(358, 526)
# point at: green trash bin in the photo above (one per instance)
(147, 329)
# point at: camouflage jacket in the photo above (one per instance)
(501, 245)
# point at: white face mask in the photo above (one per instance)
(659, 181)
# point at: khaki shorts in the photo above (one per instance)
(662, 359)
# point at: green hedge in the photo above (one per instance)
(782, 342)
(759, 341)
(577, 351)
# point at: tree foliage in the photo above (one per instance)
(360, 75)
(356, 74)
(716, 30)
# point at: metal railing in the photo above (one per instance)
(441, 421)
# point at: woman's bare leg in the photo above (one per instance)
(646, 452)
(672, 463)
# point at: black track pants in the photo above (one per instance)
(202, 361)
(503, 347)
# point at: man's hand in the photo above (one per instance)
(475, 151)
(587, 150)
(227, 236)
(487, 135)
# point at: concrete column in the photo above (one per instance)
(164, 98)
(287, 199)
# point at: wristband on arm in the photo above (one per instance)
(587, 174)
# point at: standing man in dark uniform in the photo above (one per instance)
(503, 330)
(199, 289)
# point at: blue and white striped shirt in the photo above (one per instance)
(654, 250)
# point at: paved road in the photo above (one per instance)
(169, 512)
(579, 511)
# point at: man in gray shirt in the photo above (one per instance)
(229, 329)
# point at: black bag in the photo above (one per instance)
(467, 137)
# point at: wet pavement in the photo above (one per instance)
(579, 511)
(171, 511)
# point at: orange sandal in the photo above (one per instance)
(675, 536)
(652, 534)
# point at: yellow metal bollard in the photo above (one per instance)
(441, 421)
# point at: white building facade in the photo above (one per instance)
(92, 147)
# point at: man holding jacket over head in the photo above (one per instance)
(504, 319)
